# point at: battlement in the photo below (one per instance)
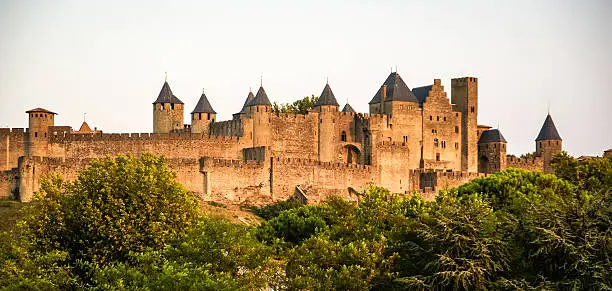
(62, 137)
(216, 162)
(292, 117)
(231, 127)
(526, 161)
(311, 162)
(463, 81)
(12, 131)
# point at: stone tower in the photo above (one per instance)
(202, 115)
(245, 107)
(548, 143)
(392, 96)
(491, 152)
(464, 95)
(327, 106)
(260, 110)
(39, 122)
(167, 111)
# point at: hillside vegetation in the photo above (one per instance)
(125, 223)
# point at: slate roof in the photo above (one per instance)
(548, 131)
(491, 135)
(421, 93)
(261, 98)
(248, 100)
(203, 106)
(40, 110)
(348, 108)
(397, 90)
(166, 96)
(327, 97)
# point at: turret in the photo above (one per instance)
(245, 107)
(259, 109)
(548, 143)
(38, 128)
(167, 111)
(491, 152)
(464, 96)
(348, 108)
(327, 106)
(202, 115)
(393, 97)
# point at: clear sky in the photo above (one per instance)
(108, 58)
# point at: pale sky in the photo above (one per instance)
(108, 58)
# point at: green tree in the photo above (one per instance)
(114, 207)
(300, 106)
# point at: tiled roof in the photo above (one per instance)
(203, 106)
(261, 98)
(85, 127)
(327, 97)
(397, 90)
(421, 93)
(548, 131)
(40, 110)
(348, 108)
(166, 96)
(491, 135)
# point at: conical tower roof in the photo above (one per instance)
(203, 106)
(348, 108)
(248, 100)
(491, 135)
(548, 131)
(397, 90)
(327, 97)
(166, 96)
(261, 98)
(85, 127)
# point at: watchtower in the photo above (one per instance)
(39, 122)
(202, 115)
(491, 152)
(168, 111)
(464, 96)
(327, 106)
(260, 110)
(548, 143)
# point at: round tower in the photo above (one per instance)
(548, 143)
(168, 111)
(491, 152)
(202, 116)
(260, 110)
(39, 121)
(329, 138)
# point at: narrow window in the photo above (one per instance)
(343, 136)
(433, 131)
(45, 134)
(35, 134)
(405, 138)
(456, 114)
(430, 117)
(472, 109)
(199, 116)
(437, 118)
(161, 107)
(172, 106)
(444, 118)
(435, 142)
(438, 157)
(456, 129)
(207, 116)
(456, 145)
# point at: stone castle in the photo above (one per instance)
(415, 139)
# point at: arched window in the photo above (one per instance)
(436, 142)
(343, 136)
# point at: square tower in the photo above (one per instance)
(464, 96)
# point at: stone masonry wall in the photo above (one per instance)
(12, 146)
(533, 164)
(9, 183)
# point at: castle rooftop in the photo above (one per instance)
(397, 90)
(37, 110)
(327, 97)
(491, 135)
(203, 106)
(261, 98)
(548, 131)
(248, 100)
(166, 96)
(348, 108)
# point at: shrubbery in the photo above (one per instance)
(126, 224)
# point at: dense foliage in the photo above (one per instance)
(300, 106)
(512, 230)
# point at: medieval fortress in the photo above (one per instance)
(415, 139)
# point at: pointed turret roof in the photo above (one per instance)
(85, 127)
(491, 135)
(397, 90)
(248, 100)
(166, 96)
(348, 108)
(548, 131)
(327, 97)
(203, 106)
(261, 98)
